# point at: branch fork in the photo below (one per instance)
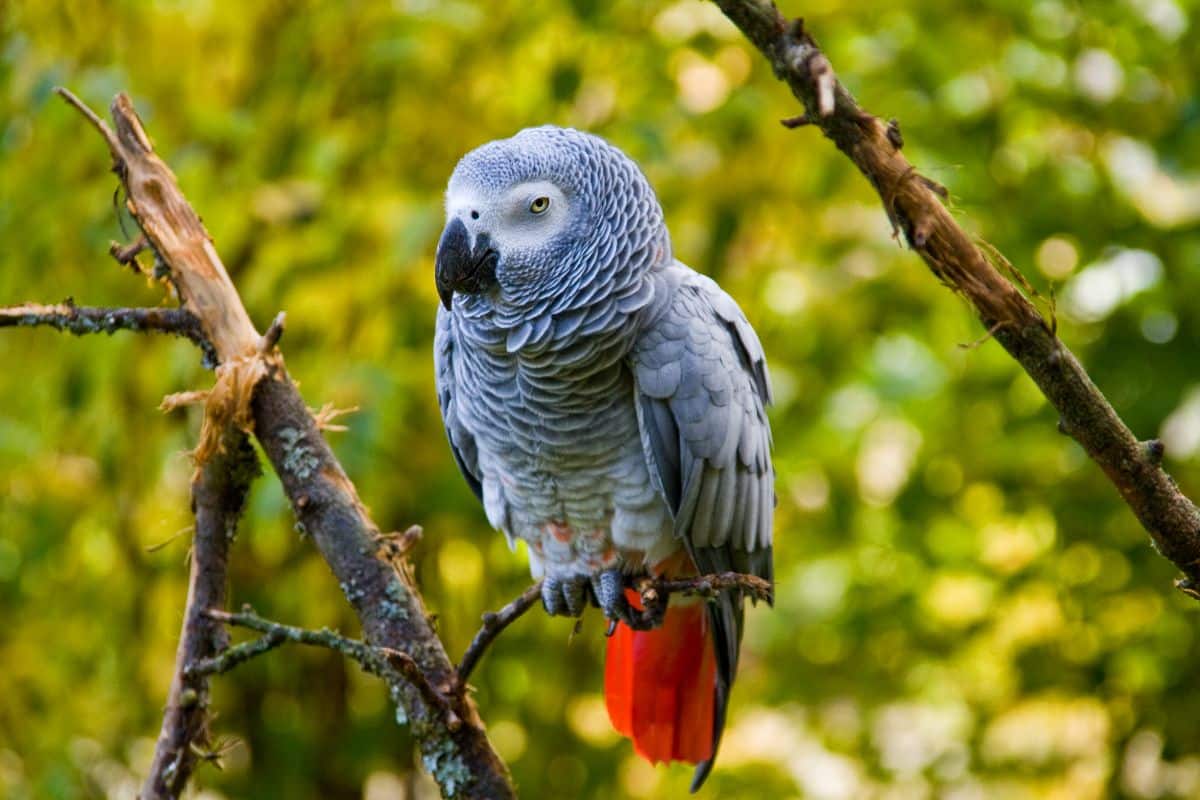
(253, 394)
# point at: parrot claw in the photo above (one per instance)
(608, 587)
(564, 597)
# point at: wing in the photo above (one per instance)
(462, 443)
(702, 388)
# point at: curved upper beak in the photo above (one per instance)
(461, 266)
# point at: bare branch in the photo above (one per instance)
(126, 254)
(655, 593)
(913, 204)
(493, 625)
(325, 502)
(81, 320)
(752, 586)
(218, 497)
(238, 654)
(99, 124)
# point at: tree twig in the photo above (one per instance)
(754, 587)
(392, 665)
(218, 496)
(914, 205)
(655, 593)
(81, 320)
(459, 757)
(238, 654)
(494, 624)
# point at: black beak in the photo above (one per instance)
(461, 268)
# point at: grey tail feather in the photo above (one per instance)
(721, 703)
(725, 614)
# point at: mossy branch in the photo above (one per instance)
(391, 665)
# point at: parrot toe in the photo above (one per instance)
(608, 587)
(564, 597)
(552, 599)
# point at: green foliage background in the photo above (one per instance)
(965, 609)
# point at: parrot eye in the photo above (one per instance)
(539, 205)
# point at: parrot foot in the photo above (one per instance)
(608, 587)
(565, 597)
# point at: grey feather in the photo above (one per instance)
(661, 441)
(462, 444)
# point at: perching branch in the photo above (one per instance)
(219, 490)
(654, 590)
(914, 205)
(255, 393)
(493, 625)
(655, 593)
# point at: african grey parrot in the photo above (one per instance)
(606, 404)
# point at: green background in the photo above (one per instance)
(965, 607)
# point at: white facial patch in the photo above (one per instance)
(522, 217)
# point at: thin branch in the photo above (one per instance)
(236, 655)
(384, 662)
(218, 496)
(81, 320)
(276, 633)
(454, 746)
(99, 124)
(655, 593)
(752, 586)
(493, 625)
(914, 205)
(126, 254)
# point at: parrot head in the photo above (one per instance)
(543, 215)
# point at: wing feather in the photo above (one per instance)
(703, 387)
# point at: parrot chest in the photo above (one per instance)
(562, 462)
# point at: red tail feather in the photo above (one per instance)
(658, 685)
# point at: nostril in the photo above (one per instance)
(474, 215)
